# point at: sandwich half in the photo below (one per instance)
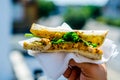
(84, 42)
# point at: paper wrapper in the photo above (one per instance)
(55, 64)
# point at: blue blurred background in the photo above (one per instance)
(16, 17)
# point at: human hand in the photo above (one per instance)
(85, 71)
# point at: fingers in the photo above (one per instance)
(73, 75)
(72, 62)
(67, 73)
(87, 69)
(72, 72)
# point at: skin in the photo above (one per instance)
(85, 71)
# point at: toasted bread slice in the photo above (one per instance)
(44, 45)
(94, 36)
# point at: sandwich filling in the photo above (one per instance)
(69, 41)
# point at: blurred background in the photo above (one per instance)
(16, 17)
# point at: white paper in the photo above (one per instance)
(55, 64)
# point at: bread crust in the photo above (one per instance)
(78, 48)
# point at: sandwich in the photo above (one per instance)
(83, 42)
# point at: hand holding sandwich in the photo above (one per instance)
(85, 71)
(82, 43)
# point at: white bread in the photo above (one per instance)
(94, 36)
(89, 52)
(48, 33)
